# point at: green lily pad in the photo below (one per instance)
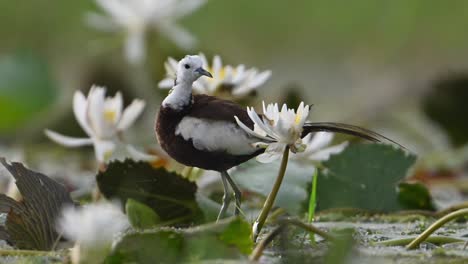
(364, 176)
(415, 195)
(140, 215)
(259, 178)
(227, 239)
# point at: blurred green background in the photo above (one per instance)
(380, 64)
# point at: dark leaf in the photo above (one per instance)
(227, 239)
(31, 222)
(415, 195)
(363, 176)
(168, 194)
(445, 103)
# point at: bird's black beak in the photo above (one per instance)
(204, 72)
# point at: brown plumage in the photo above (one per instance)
(203, 107)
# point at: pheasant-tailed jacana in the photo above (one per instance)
(200, 130)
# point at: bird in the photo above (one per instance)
(199, 130)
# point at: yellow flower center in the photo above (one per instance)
(110, 115)
(298, 119)
(107, 155)
(221, 74)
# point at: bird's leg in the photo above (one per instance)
(226, 197)
(237, 192)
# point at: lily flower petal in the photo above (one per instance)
(117, 10)
(113, 109)
(249, 131)
(95, 110)
(79, 109)
(318, 141)
(93, 224)
(177, 34)
(272, 153)
(138, 155)
(324, 154)
(100, 22)
(103, 150)
(263, 126)
(130, 114)
(135, 47)
(68, 141)
(167, 83)
(189, 7)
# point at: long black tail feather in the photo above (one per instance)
(370, 135)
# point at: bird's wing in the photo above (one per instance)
(211, 126)
(213, 108)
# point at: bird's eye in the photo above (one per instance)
(187, 66)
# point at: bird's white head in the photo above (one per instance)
(190, 69)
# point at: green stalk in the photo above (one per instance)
(257, 226)
(258, 251)
(404, 241)
(19, 252)
(313, 204)
(436, 225)
(309, 227)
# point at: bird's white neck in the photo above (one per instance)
(179, 97)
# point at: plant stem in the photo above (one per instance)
(452, 208)
(313, 204)
(406, 240)
(257, 226)
(258, 250)
(18, 252)
(275, 214)
(309, 227)
(436, 225)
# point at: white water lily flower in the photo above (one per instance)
(93, 224)
(102, 119)
(238, 80)
(277, 129)
(93, 227)
(317, 147)
(136, 17)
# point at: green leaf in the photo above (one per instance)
(415, 196)
(227, 239)
(238, 233)
(340, 251)
(31, 222)
(140, 215)
(259, 178)
(363, 176)
(209, 207)
(168, 194)
(25, 89)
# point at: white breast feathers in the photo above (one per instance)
(212, 135)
